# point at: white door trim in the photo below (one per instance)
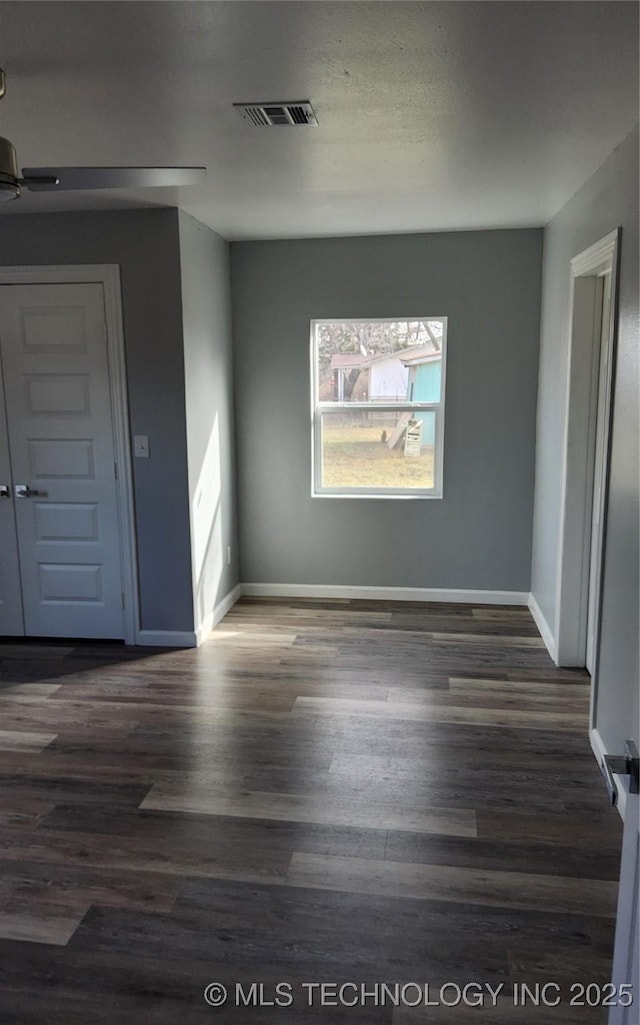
(108, 275)
(574, 540)
(599, 475)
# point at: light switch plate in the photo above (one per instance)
(141, 446)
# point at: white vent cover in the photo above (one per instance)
(274, 115)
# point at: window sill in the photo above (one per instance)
(376, 497)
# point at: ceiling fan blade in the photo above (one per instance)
(57, 179)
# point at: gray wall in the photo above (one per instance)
(479, 534)
(145, 244)
(608, 200)
(206, 305)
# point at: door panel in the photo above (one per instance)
(56, 382)
(62, 395)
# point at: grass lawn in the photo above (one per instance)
(354, 456)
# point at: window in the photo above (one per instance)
(378, 407)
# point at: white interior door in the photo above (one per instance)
(64, 491)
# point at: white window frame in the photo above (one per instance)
(318, 408)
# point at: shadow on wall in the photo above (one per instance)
(206, 529)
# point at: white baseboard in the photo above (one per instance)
(543, 626)
(425, 594)
(204, 629)
(227, 603)
(599, 750)
(179, 639)
(218, 613)
(166, 639)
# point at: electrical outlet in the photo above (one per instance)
(228, 555)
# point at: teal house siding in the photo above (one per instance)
(426, 378)
(424, 386)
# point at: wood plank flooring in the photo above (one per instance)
(325, 792)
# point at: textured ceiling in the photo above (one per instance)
(431, 115)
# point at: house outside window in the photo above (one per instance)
(378, 390)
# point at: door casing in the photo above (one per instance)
(599, 473)
(108, 275)
(574, 541)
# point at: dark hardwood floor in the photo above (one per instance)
(326, 792)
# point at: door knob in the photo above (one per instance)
(24, 491)
(627, 764)
(5, 491)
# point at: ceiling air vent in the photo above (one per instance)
(275, 114)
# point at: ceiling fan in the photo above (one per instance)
(59, 179)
